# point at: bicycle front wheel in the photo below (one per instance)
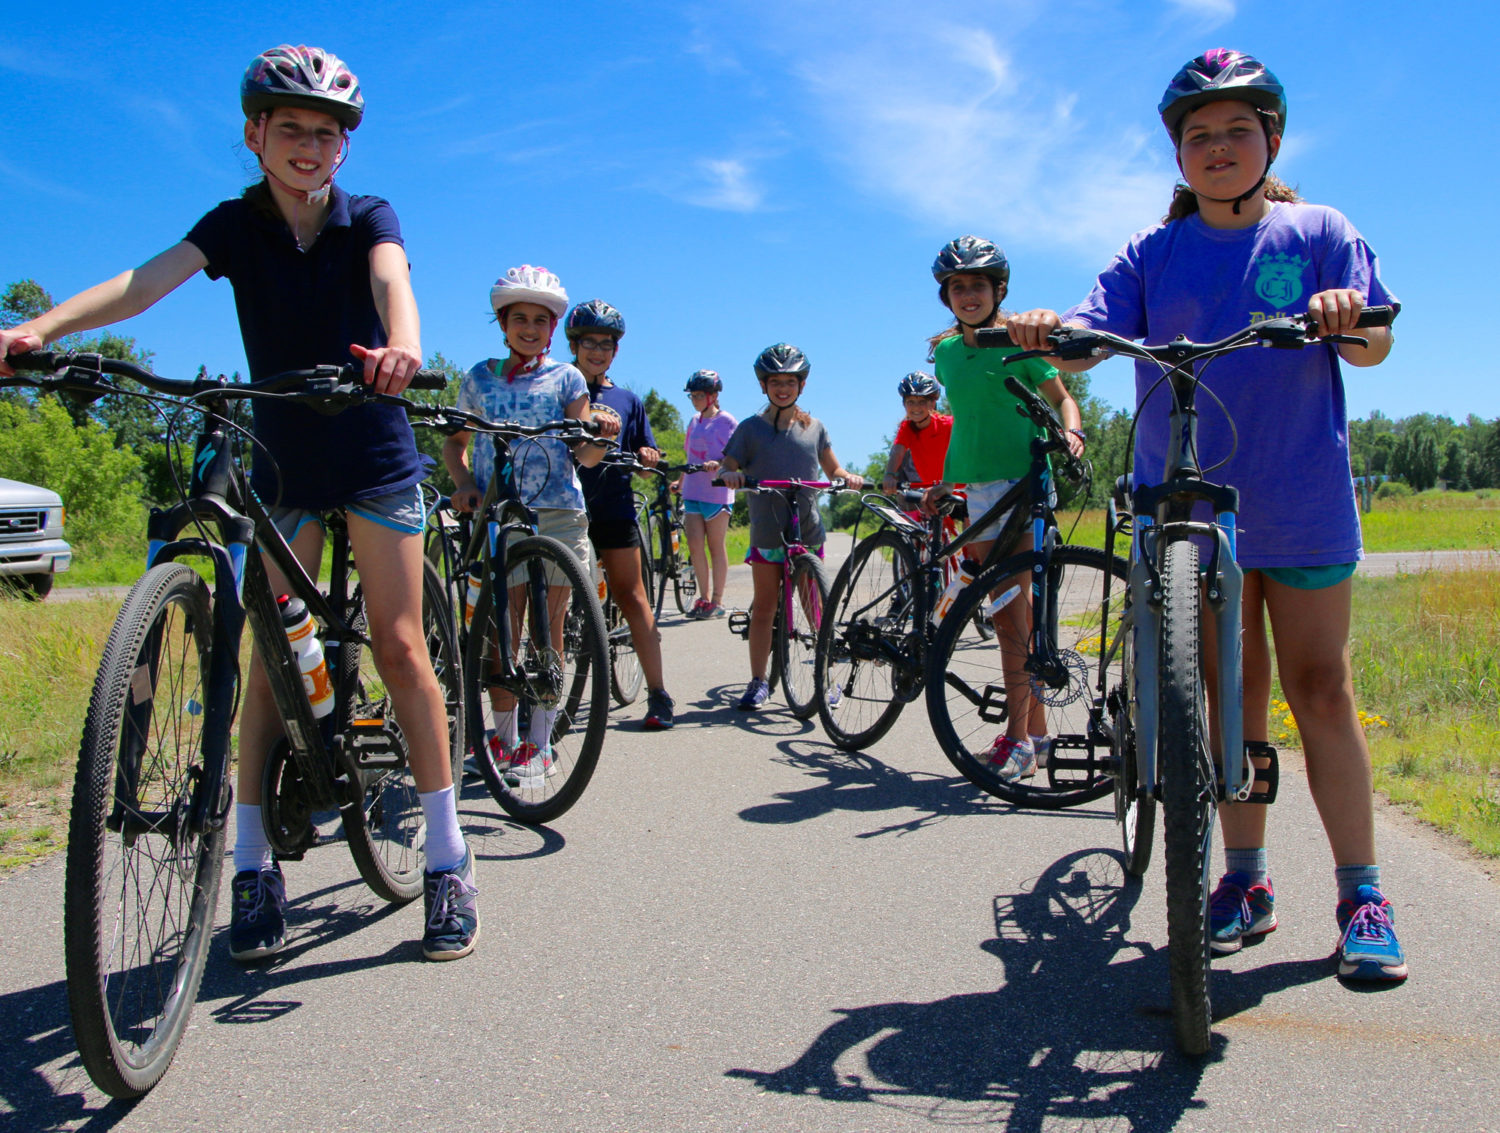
(868, 663)
(625, 675)
(384, 823)
(972, 682)
(684, 581)
(802, 617)
(568, 687)
(141, 882)
(1185, 768)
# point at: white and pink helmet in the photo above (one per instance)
(308, 77)
(527, 284)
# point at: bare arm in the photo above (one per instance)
(466, 492)
(1336, 312)
(112, 301)
(893, 466)
(837, 471)
(1029, 331)
(588, 454)
(390, 368)
(1057, 393)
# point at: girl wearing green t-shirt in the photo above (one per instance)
(989, 451)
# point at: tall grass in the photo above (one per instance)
(49, 652)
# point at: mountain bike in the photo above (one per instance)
(152, 793)
(801, 601)
(1159, 709)
(510, 650)
(665, 539)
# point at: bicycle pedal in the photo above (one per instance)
(739, 622)
(1263, 759)
(992, 707)
(373, 745)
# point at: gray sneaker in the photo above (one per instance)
(450, 901)
(257, 918)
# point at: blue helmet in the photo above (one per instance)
(919, 383)
(971, 254)
(1222, 74)
(705, 381)
(596, 314)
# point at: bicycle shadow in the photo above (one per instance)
(1078, 1031)
(858, 782)
(496, 837)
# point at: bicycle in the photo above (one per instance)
(1160, 716)
(665, 539)
(802, 599)
(152, 792)
(501, 553)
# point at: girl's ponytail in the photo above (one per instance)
(1185, 201)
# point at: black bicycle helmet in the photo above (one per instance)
(1222, 74)
(783, 358)
(596, 314)
(971, 254)
(919, 383)
(705, 381)
(308, 77)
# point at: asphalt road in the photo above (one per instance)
(741, 928)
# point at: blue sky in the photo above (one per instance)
(740, 173)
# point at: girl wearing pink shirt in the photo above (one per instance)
(705, 507)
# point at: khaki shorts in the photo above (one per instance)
(570, 528)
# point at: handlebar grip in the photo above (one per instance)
(992, 338)
(35, 361)
(429, 379)
(1376, 317)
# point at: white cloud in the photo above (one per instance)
(722, 183)
(961, 133)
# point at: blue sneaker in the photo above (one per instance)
(1238, 909)
(1368, 949)
(257, 920)
(658, 710)
(450, 901)
(757, 692)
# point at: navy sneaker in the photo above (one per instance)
(1238, 909)
(757, 692)
(658, 710)
(450, 901)
(257, 922)
(1368, 949)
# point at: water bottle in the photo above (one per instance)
(967, 569)
(309, 651)
(1003, 601)
(676, 536)
(471, 593)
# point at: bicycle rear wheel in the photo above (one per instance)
(799, 635)
(967, 697)
(625, 675)
(684, 581)
(141, 886)
(1185, 768)
(572, 684)
(869, 655)
(655, 568)
(384, 825)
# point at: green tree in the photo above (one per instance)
(430, 441)
(99, 483)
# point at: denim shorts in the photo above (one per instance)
(703, 508)
(403, 510)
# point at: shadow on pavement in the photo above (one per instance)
(1077, 1033)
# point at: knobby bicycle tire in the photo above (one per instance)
(574, 684)
(656, 570)
(684, 581)
(385, 826)
(139, 899)
(799, 636)
(1186, 772)
(625, 674)
(967, 696)
(872, 609)
(1135, 810)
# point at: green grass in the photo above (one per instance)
(49, 652)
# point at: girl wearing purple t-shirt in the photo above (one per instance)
(706, 508)
(1238, 245)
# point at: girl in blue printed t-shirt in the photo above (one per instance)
(532, 388)
(320, 276)
(1238, 245)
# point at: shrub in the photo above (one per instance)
(99, 484)
(1393, 490)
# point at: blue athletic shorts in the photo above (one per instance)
(1310, 578)
(703, 508)
(402, 510)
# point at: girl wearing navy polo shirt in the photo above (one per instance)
(319, 277)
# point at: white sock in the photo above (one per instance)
(505, 728)
(251, 849)
(445, 841)
(540, 732)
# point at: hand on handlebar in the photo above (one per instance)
(606, 419)
(650, 457)
(931, 497)
(1336, 311)
(16, 340)
(1029, 330)
(466, 499)
(388, 369)
(732, 479)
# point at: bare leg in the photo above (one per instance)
(1243, 824)
(767, 580)
(623, 566)
(718, 529)
(697, 536)
(260, 723)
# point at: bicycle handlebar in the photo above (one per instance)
(751, 484)
(83, 371)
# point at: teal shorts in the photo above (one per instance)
(403, 510)
(773, 555)
(1310, 578)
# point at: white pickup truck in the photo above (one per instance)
(32, 549)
